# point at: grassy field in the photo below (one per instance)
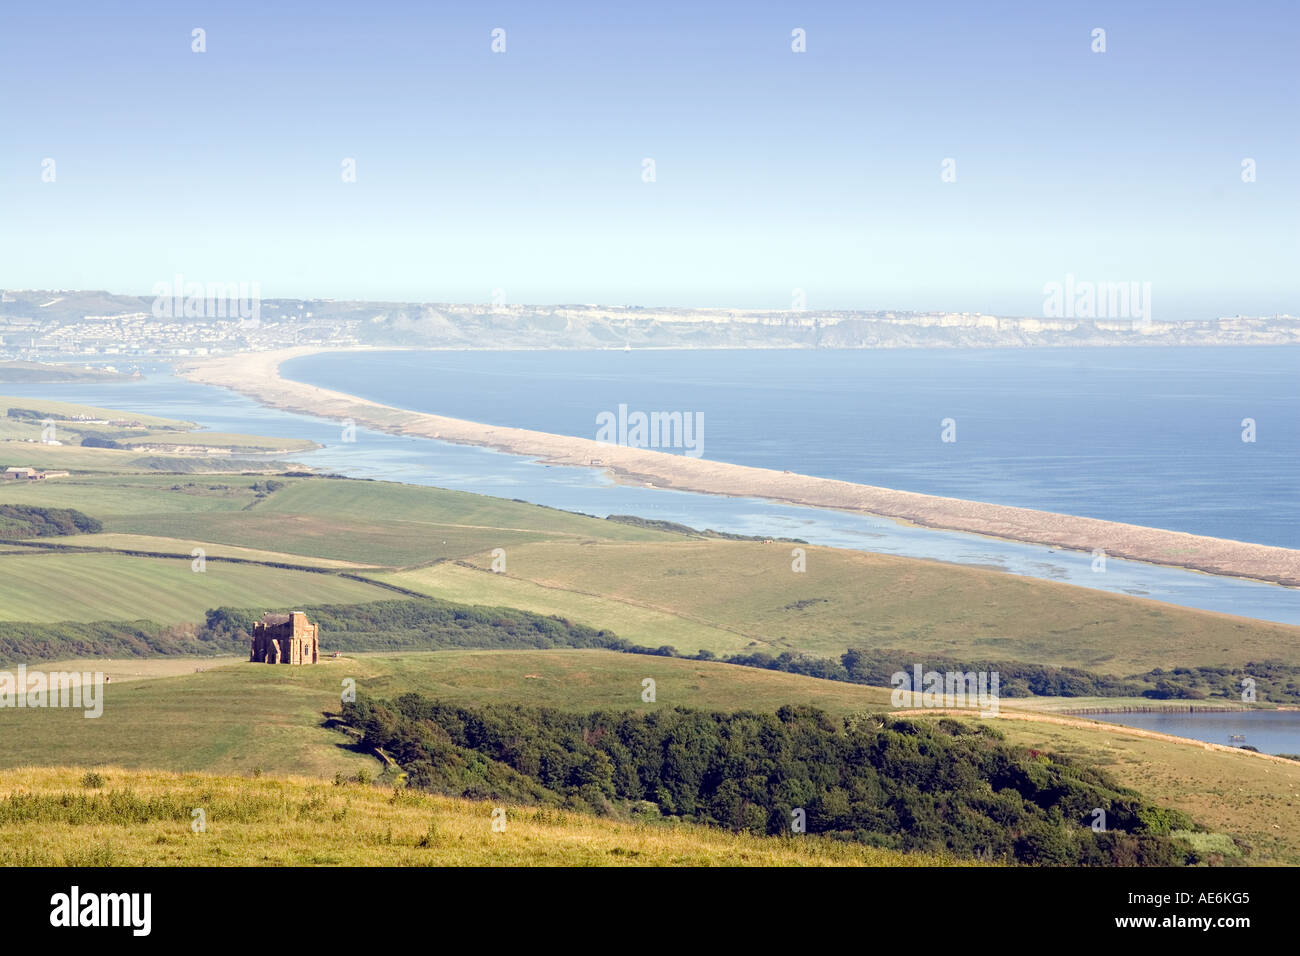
(379, 523)
(731, 595)
(236, 442)
(51, 817)
(44, 372)
(249, 717)
(632, 621)
(653, 587)
(115, 499)
(121, 670)
(48, 586)
(71, 410)
(179, 546)
(245, 716)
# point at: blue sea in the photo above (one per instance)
(1138, 435)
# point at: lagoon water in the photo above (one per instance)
(423, 461)
(1268, 731)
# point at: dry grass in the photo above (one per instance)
(51, 817)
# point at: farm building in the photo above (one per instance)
(31, 474)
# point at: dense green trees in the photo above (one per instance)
(31, 521)
(1275, 681)
(28, 642)
(874, 779)
(95, 440)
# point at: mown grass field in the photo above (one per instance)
(177, 546)
(49, 586)
(138, 818)
(379, 523)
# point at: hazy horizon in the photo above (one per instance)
(520, 174)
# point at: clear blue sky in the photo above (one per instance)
(775, 170)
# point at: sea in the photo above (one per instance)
(1200, 440)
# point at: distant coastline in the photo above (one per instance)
(236, 319)
(257, 375)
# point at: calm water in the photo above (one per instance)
(426, 462)
(1271, 732)
(1144, 436)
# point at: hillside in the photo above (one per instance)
(359, 554)
(63, 817)
(247, 718)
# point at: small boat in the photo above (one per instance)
(1237, 737)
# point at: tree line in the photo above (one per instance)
(902, 784)
(33, 521)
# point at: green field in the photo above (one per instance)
(357, 521)
(46, 586)
(632, 621)
(238, 443)
(71, 410)
(651, 587)
(45, 372)
(731, 595)
(245, 716)
(171, 547)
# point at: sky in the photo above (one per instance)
(521, 174)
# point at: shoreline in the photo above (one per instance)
(1084, 723)
(257, 375)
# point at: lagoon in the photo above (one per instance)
(1268, 731)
